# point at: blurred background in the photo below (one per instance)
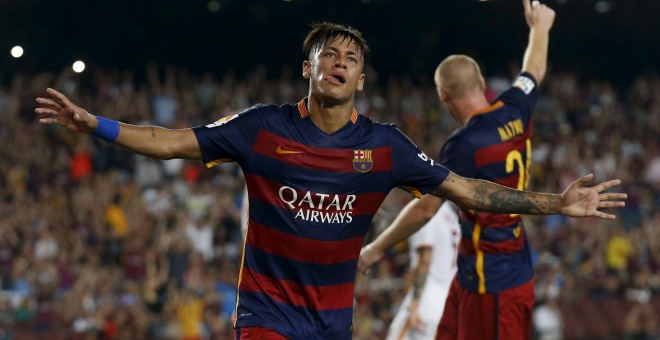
(97, 243)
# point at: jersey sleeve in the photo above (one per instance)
(412, 169)
(522, 95)
(230, 138)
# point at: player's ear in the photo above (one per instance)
(442, 93)
(360, 84)
(306, 69)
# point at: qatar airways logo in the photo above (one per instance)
(318, 207)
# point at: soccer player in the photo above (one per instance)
(492, 295)
(316, 173)
(433, 250)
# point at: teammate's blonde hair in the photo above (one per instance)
(458, 75)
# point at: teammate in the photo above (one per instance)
(316, 173)
(492, 295)
(433, 251)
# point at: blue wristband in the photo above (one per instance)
(107, 129)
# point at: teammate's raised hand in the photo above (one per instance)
(58, 109)
(538, 15)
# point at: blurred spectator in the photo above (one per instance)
(99, 243)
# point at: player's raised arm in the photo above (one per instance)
(576, 201)
(150, 141)
(539, 18)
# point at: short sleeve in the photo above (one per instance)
(412, 169)
(523, 94)
(230, 138)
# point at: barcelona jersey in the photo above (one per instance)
(495, 145)
(312, 196)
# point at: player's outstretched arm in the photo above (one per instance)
(150, 141)
(411, 218)
(576, 201)
(539, 18)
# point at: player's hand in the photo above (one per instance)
(580, 201)
(368, 256)
(538, 15)
(58, 109)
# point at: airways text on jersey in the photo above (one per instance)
(318, 207)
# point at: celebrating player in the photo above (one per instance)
(316, 173)
(494, 280)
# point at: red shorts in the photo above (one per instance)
(257, 333)
(503, 315)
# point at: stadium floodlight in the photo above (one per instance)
(78, 66)
(17, 51)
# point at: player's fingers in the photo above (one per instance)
(609, 204)
(612, 196)
(606, 185)
(604, 216)
(535, 3)
(49, 120)
(49, 102)
(46, 111)
(580, 182)
(527, 6)
(61, 97)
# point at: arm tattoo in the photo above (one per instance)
(512, 202)
(496, 198)
(442, 192)
(480, 194)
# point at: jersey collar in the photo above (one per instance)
(492, 107)
(302, 107)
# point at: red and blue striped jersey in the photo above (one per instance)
(312, 196)
(495, 145)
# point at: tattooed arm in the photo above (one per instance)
(150, 141)
(575, 201)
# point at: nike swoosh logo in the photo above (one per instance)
(281, 151)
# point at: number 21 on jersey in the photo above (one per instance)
(514, 159)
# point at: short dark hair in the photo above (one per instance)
(322, 32)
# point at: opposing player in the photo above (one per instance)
(493, 294)
(433, 250)
(316, 173)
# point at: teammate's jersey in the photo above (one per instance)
(312, 196)
(495, 145)
(442, 233)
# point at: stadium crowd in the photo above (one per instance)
(97, 243)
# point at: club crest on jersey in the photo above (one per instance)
(362, 160)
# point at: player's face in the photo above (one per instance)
(335, 70)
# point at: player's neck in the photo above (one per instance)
(329, 117)
(467, 107)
